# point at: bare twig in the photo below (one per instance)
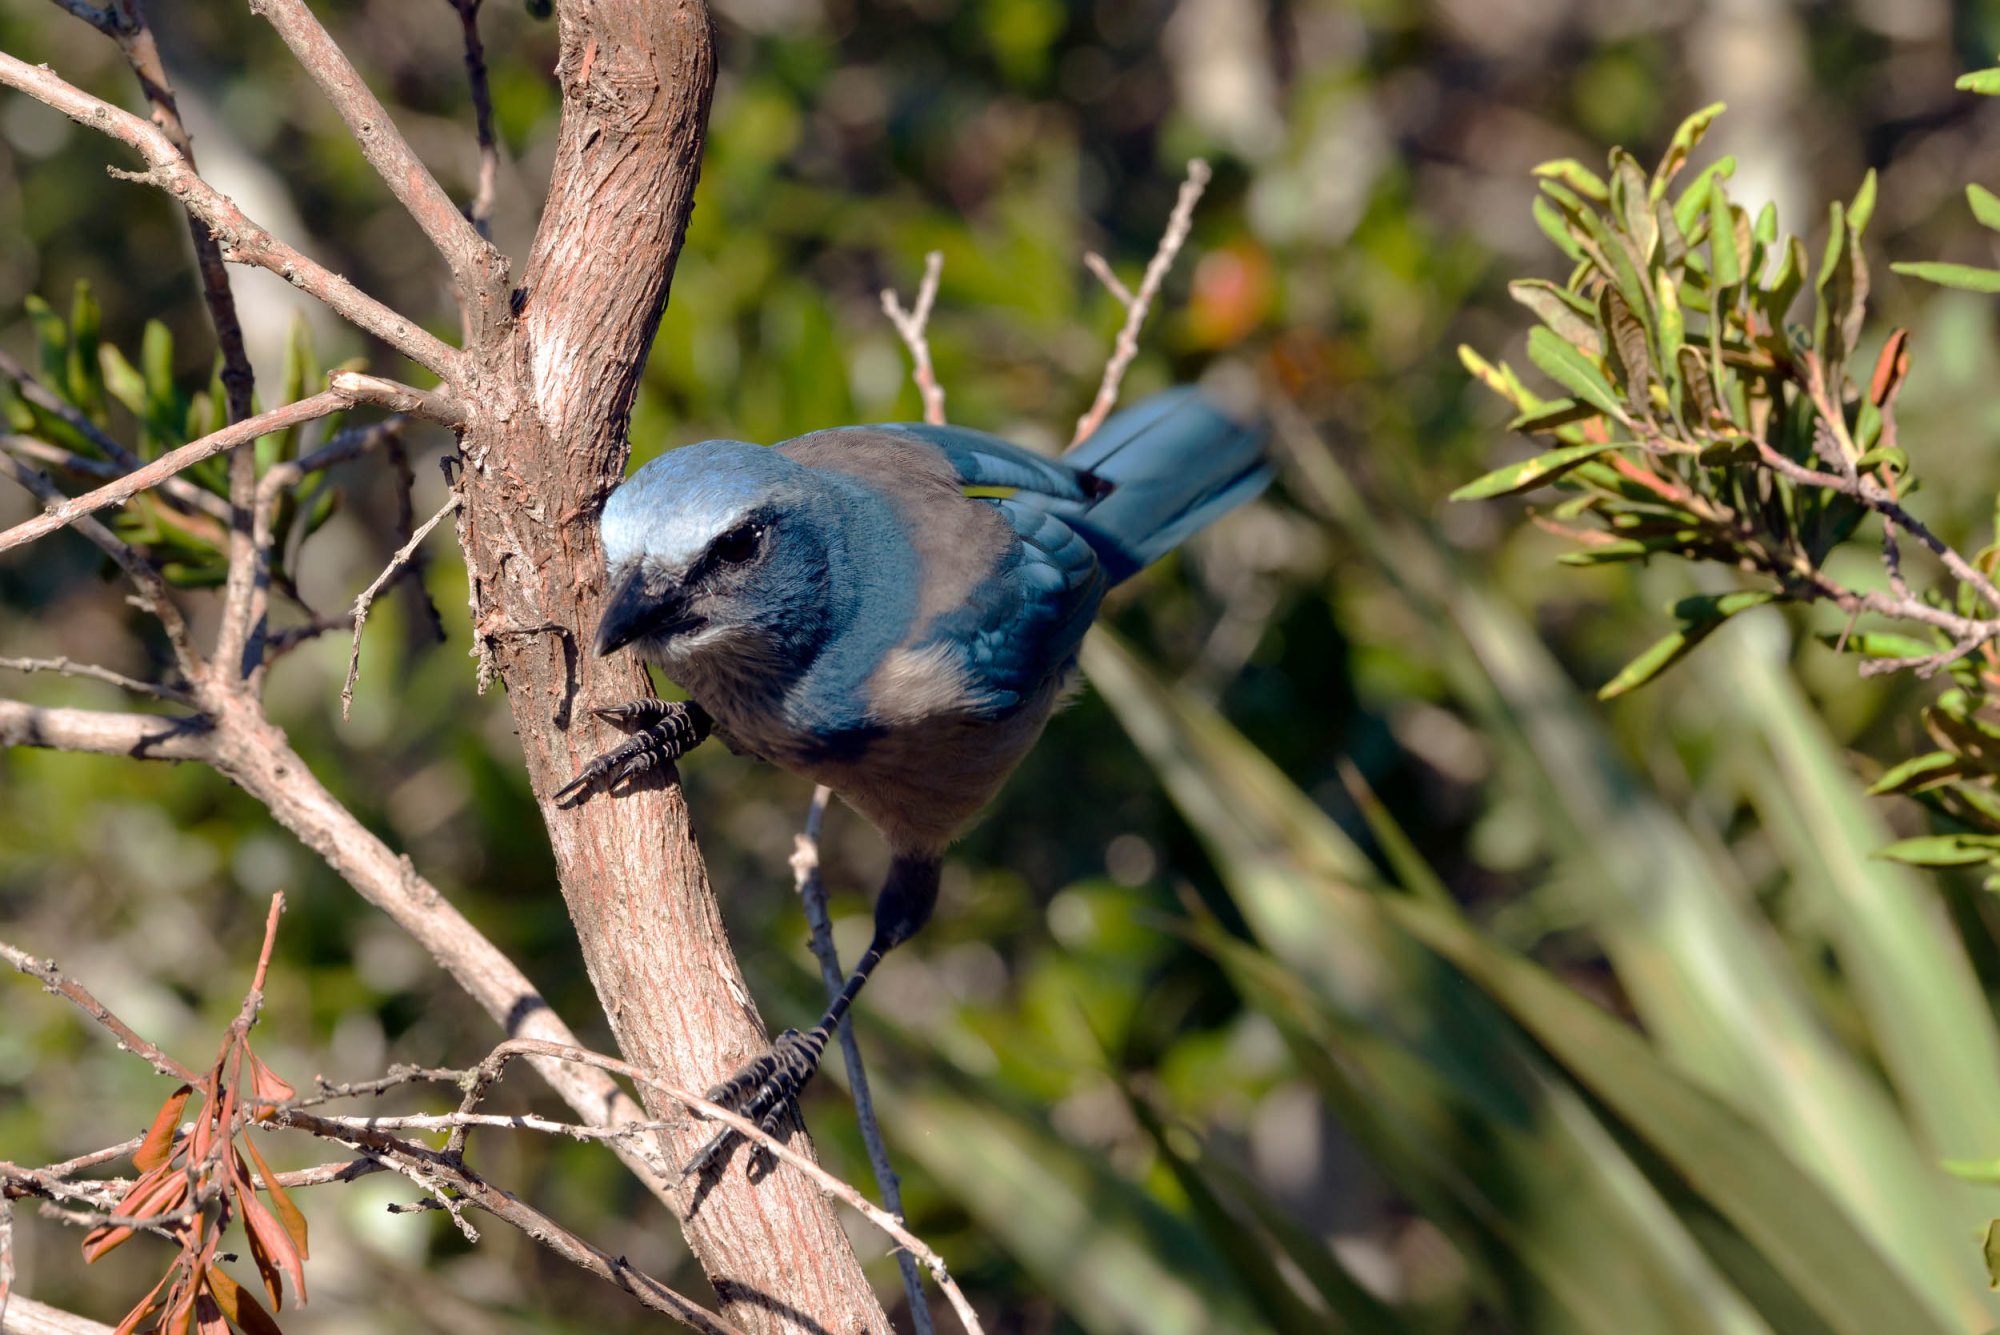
(750, 1131)
(811, 887)
(144, 736)
(480, 212)
(64, 667)
(437, 1173)
(77, 994)
(473, 263)
(433, 405)
(242, 241)
(910, 325)
(1137, 304)
(67, 511)
(367, 598)
(180, 491)
(152, 589)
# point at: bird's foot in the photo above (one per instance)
(663, 732)
(763, 1090)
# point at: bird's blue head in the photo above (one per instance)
(716, 551)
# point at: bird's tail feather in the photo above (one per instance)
(1176, 463)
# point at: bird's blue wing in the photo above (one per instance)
(1023, 623)
(981, 460)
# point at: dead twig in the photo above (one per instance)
(910, 325)
(811, 887)
(1137, 304)
(480, 211)
(62, 666)
(242, 241)
(367, 597)
(471, 260)
(68, 510)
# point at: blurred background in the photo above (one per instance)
(1175, 1054)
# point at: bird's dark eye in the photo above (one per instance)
(739, 544)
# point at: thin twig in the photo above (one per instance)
(480, 212)
(67, 511)
(910, 325)
(242, 241)
(811, 887)
(367, 598)
(180, 491)
(77, 994)
(1136, 304)
(64, 667)
(750, 1131)
(408, 179)
(152, 596)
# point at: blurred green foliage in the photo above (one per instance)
(1197, 1042)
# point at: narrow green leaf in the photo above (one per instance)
(1918, 772)
(1500, 379)
(1555, 413)
(1530, 473)
(1863, 207)
(1973, 1170)
(1685, 139)
(1985, 205)
(1700, 616)
(1943, 850)
(1986, 82)
(1576, 176)
(1573, 370)
(1727, 264)
(1691, 209)
(1964, 276)
(1560, 309)
(1669, 325)
(1550, 220)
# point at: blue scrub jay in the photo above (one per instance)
(892, 611)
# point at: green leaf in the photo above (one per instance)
(1576, 177)
(1560, 309)
(1500, 379)
(1552, 223)
(1685, 139)
(1986, 82)
(1555, 413)
(1691, 209)
(1863, 207)
(51, 341)
(1573, 370)
(1918, 772)
(1965, 276)
(1701, 616)
(1973, 1170)
(82, 372)
(1985, 205)
(1530, 473)
(1943, 850)
(1725, 264)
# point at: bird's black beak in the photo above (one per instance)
(632, 612)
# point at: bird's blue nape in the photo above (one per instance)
(674, 506)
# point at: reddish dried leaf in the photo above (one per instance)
(267, 1086)
(159, 1143)
(240, 1306)
(180, 1312)
(148, 1304)
(271, 1247)
(157, 1192)
(208, 1318)
(288, 1212)
(1890, 368)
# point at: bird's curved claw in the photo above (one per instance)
(665, 731)
(763, 1090)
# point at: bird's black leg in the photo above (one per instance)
(763, 1089)
(662, 731)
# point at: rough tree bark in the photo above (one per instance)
(556, 363)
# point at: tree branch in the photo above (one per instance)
(367, 597)
(242, 241)
(475, 266)
(1179, 224)
(910, 325)
(68, 511)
